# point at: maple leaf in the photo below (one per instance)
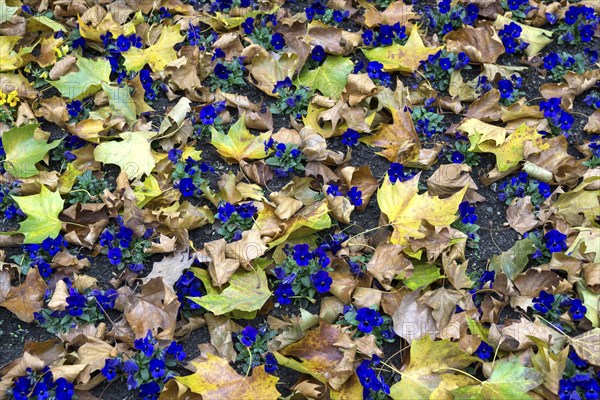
(214, 379)
(26, 298)
(247, 292)
(239, 143)
(429, 363)
(24, 150)
(509, 380)
(158, 55)
(42, 215)
(406, 209)
(404, 58)
(511, 151)
(86, 81)
(329, 78)
(133, 154)
(398, 139)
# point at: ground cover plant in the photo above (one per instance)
(242, 199)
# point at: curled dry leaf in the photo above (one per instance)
(481, 44)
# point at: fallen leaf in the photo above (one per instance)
(406, 209)
(24, 149)
(159, 55)
(26, 298)
(42, 215)
(404, 58)
(329, 78)
(133, 154)
(239, 143)
(89, 78)
(215, 379)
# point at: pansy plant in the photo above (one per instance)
(553, 306)
(560, 120)
(466, 223)
(148, 369)
(290, 100)
(64, 152)
(368, 321)
(510, 35)
(227, 74)
(82, 308)
(319, 10)
(9, 210)
(578, 25)
(303, 273)
(439, 66)
(286, 160)
(558, 64)
(446, 17)
(40, 256)
(426, 121)
(252, 348)
(385, 35)
(123, 248)
(208, 118)
(262, 34)
(88, 188)
(594, 153)
(234, 219)
(522, 185)
(40, 385)
(373, 383)
(460, 154)
(510, 89)
(189, 285)
(518, 8)
(189, 175)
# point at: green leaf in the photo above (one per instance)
(120, 101)
(513, 261)
(330, 78)
(133, 154)
(423, 275)
(42, 215)
(247, 291)
(23, 150)
(85, 82)
(509, 380)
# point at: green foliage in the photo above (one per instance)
(87, 189)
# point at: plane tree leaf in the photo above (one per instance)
(215, 379)
(133, 154)
(509, 380)
(239, 144)
(430, 363)
(24, 150)
(87, 80)
(406, 209)
(120, 101)
(513, 261)
(404, 58)
(329, 78)
(42, 215)
(511, 151)
(158, 55)
(247, 292)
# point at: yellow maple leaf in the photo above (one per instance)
(405, 58)
(215, 379)
(406, 209)
(509, 152)
(158, 55)
(239, 143)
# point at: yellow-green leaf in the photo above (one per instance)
(406, 209)
(404, 58)
(537, 38)
(6, 11)
(509, 381)
(247, 292)
(429, 362)
(23, 150)
(329, 78)
(86, 81)
(214, 379)
(239, 144)
(133, 154)
(42, 215)
(158, 55)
